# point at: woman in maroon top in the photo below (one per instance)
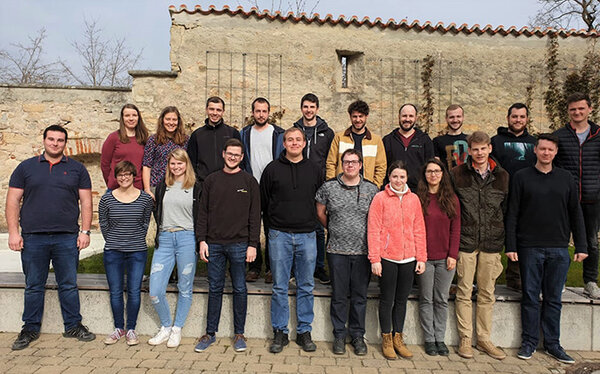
(441, 211)
(127, 143)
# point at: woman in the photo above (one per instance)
(177, 198)
(397, 249)
(127, 143)
(124, 214)
(169, 135)
(442, 220)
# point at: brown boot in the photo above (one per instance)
(489, 348)
(465, 349)
(400, 347)
(387, 346)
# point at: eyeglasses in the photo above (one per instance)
(433, 172)
(124, 175)
(233, 155)
(351, 162)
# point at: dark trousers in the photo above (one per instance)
(350, 276)
(256, 265)
(591, 217)
(320, 231)
(545, 270)
(395, 285)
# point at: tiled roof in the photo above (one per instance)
(391, 23)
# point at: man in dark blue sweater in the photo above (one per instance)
(543, 210)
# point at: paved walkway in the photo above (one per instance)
(52, 353)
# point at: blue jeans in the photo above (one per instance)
(545, 270)
(299, 249)
(218, 254)
(173, 247)
(115, 264)
(38, 250)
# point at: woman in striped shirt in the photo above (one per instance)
(124, 215)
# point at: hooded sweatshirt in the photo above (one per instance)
(513, 152)
(318, 142)
(287, 192)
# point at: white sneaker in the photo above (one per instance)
(175, 337)
(161, 337)
(592, 290)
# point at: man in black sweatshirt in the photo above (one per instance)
(206, 143)
(318, 141)
(287, 189)
(543, 210)
(228, 229)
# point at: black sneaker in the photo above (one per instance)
(80, 332)
(360, 348)
(339, 346)
(525, 352)
(280, 340)
(321, 275)
(442, 349)
(304, 340)
(431, 349)
(560, 354)
(24, 339)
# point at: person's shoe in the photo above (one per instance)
(114, 337)
(400, 347)
(305, 341)
(591, 289)
(339, 346)
(489, 348)
(24, 339)
(80, 332)
(560, 354)
(161, 336)
(251, 276)
(174, 337)
(387, 346)
(131, 337)
(268, 277)
(442, 350)
(431, 348)
(525, 352)
(280, 340)
(239, 343)
(465, 348)
(321, 275)
(360, 348)
(205, 342)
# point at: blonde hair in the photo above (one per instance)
(189, 179)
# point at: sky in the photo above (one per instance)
(145, 23)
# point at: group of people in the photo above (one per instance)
(399, 207)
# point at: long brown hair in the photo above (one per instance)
(162, 136)
(446, 195)
(189, 179)
(141, 132)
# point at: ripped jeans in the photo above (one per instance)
(177, 246)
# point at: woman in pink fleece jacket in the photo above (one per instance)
(397, 250)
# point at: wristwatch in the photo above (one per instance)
(87, 232)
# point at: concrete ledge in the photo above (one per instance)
(580, 324)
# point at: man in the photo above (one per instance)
(482, 188)
(342, 206)
(206, 142)
(579, 153)
(513, 147)
(51, 187)
(451, 148)
(287, 189)
(408, 144)
(543, 210)
(359, 137)
(228, 229)
(318, 141)
(263, 143)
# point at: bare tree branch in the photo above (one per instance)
(567, 14)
